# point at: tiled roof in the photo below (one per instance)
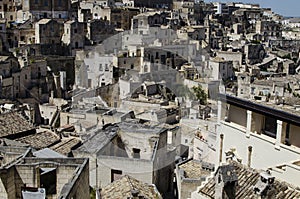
(65, 146)
(247, 179)
(193, 169)
(13, 123)
(40, 140)
(101, 137)
(124, 187)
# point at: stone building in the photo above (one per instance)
(167, 4)
(130, 148)
(9, 68)
(143, 21)
(235, 57)
(268, 130)
(254, 53)
(26, 82)
(191, 174)
(29, 176)
(48, 31)
(3, 36)
(59, 64)
(99, 30)
(21, 34)
(127, 187)
(96, 70)
(235, 180)
(121, 17)
(153, 102)
(220, 69)
(8, 11)
(269, 30)
(73, 34)
(93, 10)
(36, 10)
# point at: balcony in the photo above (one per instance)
(265, 151)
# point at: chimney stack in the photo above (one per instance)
(221, 147)
(249, 155)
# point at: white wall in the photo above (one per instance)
(264, 153)
(100, 69)
(140, 169)
(289, 174)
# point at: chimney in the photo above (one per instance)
(249, 155)
(226, 180)
(221, 147)
(264, 184)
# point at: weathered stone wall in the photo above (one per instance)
(80, 183)
(140, 169)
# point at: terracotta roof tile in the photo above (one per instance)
(247, 179)
(13, 123)
(123, 188)
(66, 146)
(40, 140)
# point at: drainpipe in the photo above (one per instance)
(221, 147)
(249, 155)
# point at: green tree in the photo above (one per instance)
(200, 94)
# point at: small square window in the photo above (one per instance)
(136, 153)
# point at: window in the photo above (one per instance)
(115, 175)
(106, 67)
(45, 2)
(136, 153)
(252, 90)
(270, 127)
(287, 134)
(36, 1)
(100, 67)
